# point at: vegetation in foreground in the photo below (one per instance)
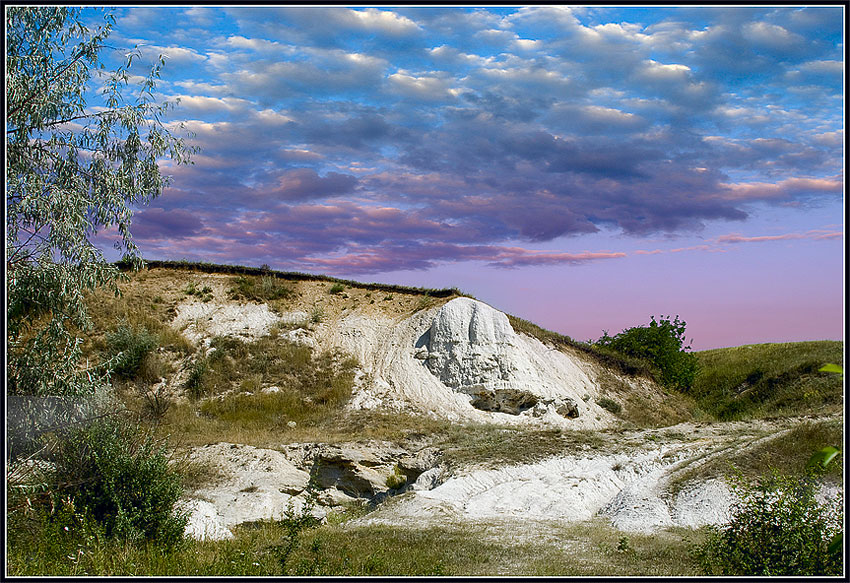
(286, 547)
(778, 527)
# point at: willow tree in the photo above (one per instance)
(83, 147)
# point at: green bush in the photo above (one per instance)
(336, 288)
(662, 344)
(777, 528)
(260, 289)
(129, 346)
(196, 381)
(396, 480)
(609, 405)
(117, 476)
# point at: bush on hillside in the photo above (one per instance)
(777, 528)
(118, 477)
(129, 346)
(662, 344)
(260, 289)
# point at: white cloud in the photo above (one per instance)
(254, 44)
(428, 88)
(660, 72)
(204, 104)
(173, 54)
(770, 35)
(385, 21)
(525, 44)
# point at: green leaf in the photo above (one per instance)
(835, 544)
(823, 457)
(832, 368)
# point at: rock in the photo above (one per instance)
(205, 523)
(701, 503)
(510, 401)
(358, 470)
(257, 484)
(469, 344)
(429, 479)
(222, 319)
(472, 349)
(422, 461)
(300, 336)
(566, 407)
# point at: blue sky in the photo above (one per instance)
(582, 167)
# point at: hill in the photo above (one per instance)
(765, 380)
(396, 413)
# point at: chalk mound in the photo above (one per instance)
(472, 349)
(464, 361)
(470, 344)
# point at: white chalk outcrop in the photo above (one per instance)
(630, 489)
(255, 484)
(203, 320)
(472, 349)
(463, 361)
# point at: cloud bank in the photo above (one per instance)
(366, 140)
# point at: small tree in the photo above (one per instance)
(662, 343)
(71, 170)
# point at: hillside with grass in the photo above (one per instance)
(294, 447)
(764, 380)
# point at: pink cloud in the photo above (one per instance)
(819, 234)
(783, 189)
(517, 256)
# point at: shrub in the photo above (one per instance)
(662, 344)
(396, 480)
(609, 405)
(196, 381)
(260, 289)
(129, 346)
(777, 528)
(336, 288)
(119, 477)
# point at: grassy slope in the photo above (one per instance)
(762, 380)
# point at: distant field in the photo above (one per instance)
(763, 380)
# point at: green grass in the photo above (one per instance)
(228, 389)
(587, 549)
(491, 445)
(763, 380)
(241, 270)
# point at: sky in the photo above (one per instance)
(585, 168)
